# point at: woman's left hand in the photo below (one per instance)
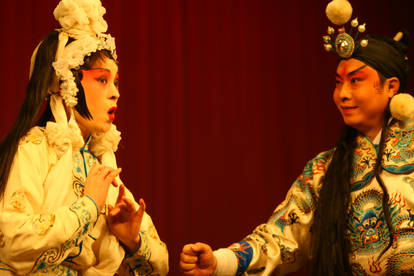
(125, 221)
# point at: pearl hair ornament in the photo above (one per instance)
(339, 12)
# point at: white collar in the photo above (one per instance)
(377, 138)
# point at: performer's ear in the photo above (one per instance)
(391, 86)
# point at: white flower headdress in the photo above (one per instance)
(81, 20)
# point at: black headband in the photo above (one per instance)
(387, 56)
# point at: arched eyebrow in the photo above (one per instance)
(103, 69)
(352, 72)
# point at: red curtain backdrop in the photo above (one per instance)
(222, 101)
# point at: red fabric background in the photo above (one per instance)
(222, 102)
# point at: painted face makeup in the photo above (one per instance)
(100, 84)
(101, 77)
(360, 96)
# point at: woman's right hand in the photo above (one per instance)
(98, 181)
(198, 260)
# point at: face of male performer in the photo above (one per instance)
(100, 85)
(361, 97)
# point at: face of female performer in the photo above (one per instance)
(361, 97)
(100, 85)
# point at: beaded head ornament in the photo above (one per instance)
(339, 12)
(385, 55)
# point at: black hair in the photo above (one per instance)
(36, 93)
(330, 244)
(330, 247)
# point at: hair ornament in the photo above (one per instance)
(339, 12)
(83, 21)
(402, 106)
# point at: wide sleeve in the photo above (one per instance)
(31, 239)
(151, 258)
(282, 244)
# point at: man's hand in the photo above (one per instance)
(198, 260)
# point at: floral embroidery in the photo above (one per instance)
(284, 217)
(42, 223)
(398, 155)
(152, 233)
(302, 194)
(140, 260)
(42, 266)
(17, 201)
(31, 138)
(50, 261)
(365, 156)
(78, 186)
(78, 171)
(84, 217)
(287, 254)
(399, 150)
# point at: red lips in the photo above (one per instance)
(111, 113)
(348, 108)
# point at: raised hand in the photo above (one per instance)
(124, 220)
(198, 260)
(98, 181)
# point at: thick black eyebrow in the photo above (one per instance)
(352, 72)
(104, 69)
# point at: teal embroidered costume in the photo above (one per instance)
(282, 244)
